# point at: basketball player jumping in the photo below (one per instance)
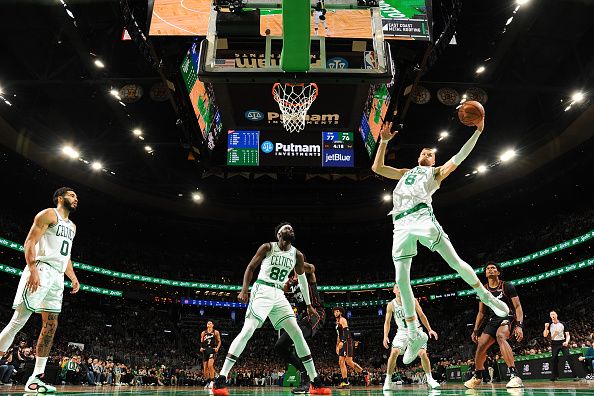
(414, 222)
(345, 347)
(394, 309)
(268, 300)
(41, 287)
(496, 328)
(208, 338)
(309, 324)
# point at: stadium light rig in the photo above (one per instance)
(507, 155)
(99, 64)
(386, 197)
(70, 152)
(443, 135)
(480, 69)
(197, 197)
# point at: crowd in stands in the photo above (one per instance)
(137, 342)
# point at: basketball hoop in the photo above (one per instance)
(294, 101)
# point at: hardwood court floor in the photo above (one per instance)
(533, 388)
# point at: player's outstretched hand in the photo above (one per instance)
(75, 286)
(386, 342)
(546, 326)
(433, 334)
(386, 132)
(481, 125)
(33, 282)
(519, 333)
(312, 312)
(243, 296)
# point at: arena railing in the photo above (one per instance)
(358, 287)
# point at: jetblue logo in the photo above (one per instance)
(254, 115)
(267, 147)
(337, 63)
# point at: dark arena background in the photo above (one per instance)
(159, 115)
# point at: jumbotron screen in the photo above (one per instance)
(266, 148)
(401, 20)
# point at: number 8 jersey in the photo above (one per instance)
(55, 244)
(416, 186)
(277, 265)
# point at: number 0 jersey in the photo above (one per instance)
(416, 186)
(55, 244)
(277, 265)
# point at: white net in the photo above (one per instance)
(294, 101)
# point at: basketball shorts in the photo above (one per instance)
(400, 342)
(208, 354)
(420, 226)
(348, 348)
(494, 323)
(269, 302)
(49, 294)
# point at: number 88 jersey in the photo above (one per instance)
(277, 264)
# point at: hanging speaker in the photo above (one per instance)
(238, 24)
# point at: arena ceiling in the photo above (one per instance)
(58, 95)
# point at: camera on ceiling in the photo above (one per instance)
(368, 3)
(233, 5)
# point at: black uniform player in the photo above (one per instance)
(210, 342)
(309, 325)
(497, 328)
(345, 347)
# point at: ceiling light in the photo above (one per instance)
(509, 21)
(137, 132)
(444, 134)
(522, 2)
(506, 156)
(99, 64)
(567, 108)
(197, 197)
(434, 149)
(148, 149)
(70, 152)
(1, 91)
(480, 69)
(578, 97)
(96, 165)
(114, 92)
(481, 168)
(386, 197)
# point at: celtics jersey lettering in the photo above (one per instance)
(277, 264)
(55, 244)
(398, 315)
(416, 186)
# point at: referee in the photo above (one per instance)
(559, 343)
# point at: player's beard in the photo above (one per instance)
(289, 238)
(425, 162)
(68, 206)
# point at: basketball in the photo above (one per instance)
(471, 113)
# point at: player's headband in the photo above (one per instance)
(280, 230)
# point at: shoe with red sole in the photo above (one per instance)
(317, 387)
(220, 386)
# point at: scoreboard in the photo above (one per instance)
(242, 148)
(338, 149)
(268, 148)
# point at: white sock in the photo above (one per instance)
(428, 376)
(388, 379)
(40, 363)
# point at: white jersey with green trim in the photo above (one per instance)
(416, 186)
(55, 244)
(277, 264)
(398, 315)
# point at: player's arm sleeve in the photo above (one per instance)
(302, 278)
